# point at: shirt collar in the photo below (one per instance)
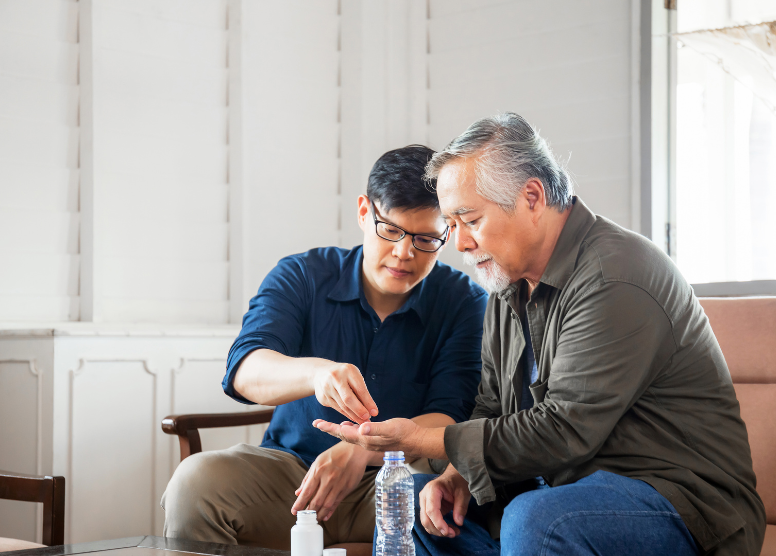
(564, 256)
(350, 288)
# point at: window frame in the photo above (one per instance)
(657, 104)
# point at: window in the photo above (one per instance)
(725, 143)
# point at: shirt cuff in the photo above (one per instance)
(464, 444)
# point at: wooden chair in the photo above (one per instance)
(50, 491)
(186, 428)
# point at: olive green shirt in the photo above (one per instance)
(631, 381)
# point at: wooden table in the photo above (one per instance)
(149, 546)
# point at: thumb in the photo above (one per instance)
(370, 428)
(460, 506)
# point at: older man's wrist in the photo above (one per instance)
(428, 443)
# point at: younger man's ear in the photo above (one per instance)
(363, 210)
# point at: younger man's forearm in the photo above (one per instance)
(267, 377)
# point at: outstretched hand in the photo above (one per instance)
(390, 435)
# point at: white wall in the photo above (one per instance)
(383, 91)
(217, 136)
(291, 132)
(158, 140)
(563, 65)
(39, 219)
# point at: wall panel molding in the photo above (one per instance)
(33, 369)
(79, 371)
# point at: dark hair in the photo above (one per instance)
(396, 180)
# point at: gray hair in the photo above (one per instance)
(509, 151)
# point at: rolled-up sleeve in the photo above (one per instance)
(456, 371)
(275, 319)
(615, 338)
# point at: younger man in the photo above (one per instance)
(376, 332)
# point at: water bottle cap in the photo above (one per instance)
(393, 456)
(306, 516)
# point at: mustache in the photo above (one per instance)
(471, 259)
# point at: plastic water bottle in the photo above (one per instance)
(394, 507)
(306, 535)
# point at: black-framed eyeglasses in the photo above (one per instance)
(421, 242)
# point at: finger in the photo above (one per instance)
(328, 427)
(438, 525)
(333, 499)
(338, 405)
(348, 433)
(352, 403)
(359, 387)
(316, 502)
(424, 520)
(374, 429)
(343, 408)
(460, 506)
(308, 491)
(301, 485)
(332, 428)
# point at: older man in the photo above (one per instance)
(601, 378)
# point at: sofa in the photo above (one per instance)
(746, 331)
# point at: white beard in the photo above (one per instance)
(490, 276)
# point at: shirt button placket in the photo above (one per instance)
(375, 355)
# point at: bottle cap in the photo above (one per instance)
(393, 456)
(306, 516)
(334, 552)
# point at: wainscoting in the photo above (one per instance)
(86, 401)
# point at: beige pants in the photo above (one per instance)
(244, 495)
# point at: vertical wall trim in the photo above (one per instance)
(237, 201)
(90, 285)
(635, 154)
(340, 239)
(645, 119)
(671, 228)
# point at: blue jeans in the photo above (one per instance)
(603, 514)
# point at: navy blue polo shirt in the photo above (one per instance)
(424, 358)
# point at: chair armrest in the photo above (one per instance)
(186, 427)
(50, 491)
(180, 424)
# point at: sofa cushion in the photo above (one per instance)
(746, 331)
(758, 410)
(7, 545)
(769, 546)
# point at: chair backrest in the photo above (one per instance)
(746, 331)
(50, 491)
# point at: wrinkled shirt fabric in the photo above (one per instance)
(423, 358)
(631, 380)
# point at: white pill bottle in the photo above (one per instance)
(306, 535)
